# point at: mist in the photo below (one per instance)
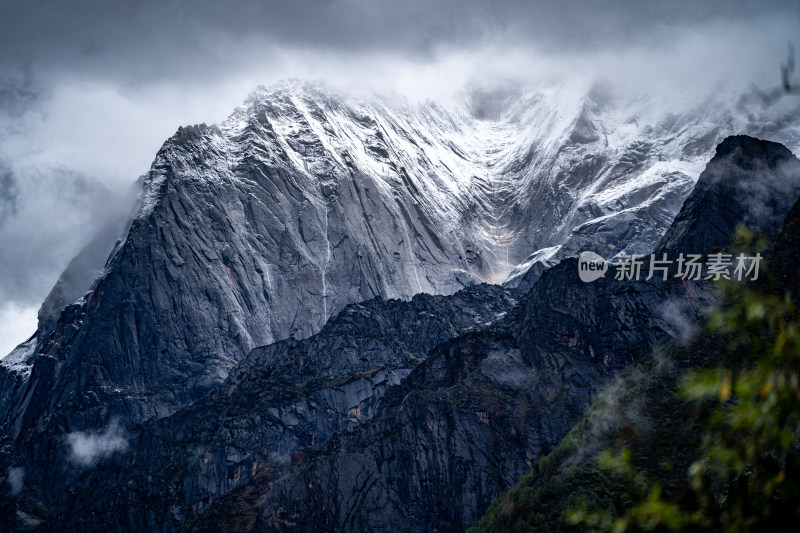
(89, 90)
(15, 478)
(87, 448)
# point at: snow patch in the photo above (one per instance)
(20, 360)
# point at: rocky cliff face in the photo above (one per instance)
(749, 182)
(325, 433)
(280, 399)
(485, 406)
(304, 201)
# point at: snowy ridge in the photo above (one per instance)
(548, 163)
(20, 359)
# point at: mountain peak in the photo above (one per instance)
(744, 151)
(727, 195)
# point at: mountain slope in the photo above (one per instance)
(484, 407)
(646, 413)
(281, 398)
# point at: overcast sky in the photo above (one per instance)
(90, 89)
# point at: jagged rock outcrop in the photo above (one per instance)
(784, 259)
(749, 182)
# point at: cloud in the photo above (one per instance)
(86, 448)
(54, 196)
(9, 193)
(134, 45)
(17, 323)
(680, 318)
(18, 93)
(29, 255)
(15, 479)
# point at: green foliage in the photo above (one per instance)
(644, 409)
(746, 474)
(702, 437)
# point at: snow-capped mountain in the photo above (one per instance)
(393, 412)
(306, 199)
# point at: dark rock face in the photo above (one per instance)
(461, 427)
(281, 398)
(750, 182)
(468, 421)
(784, 259)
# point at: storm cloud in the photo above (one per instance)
(90, 89)
(144, 41)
